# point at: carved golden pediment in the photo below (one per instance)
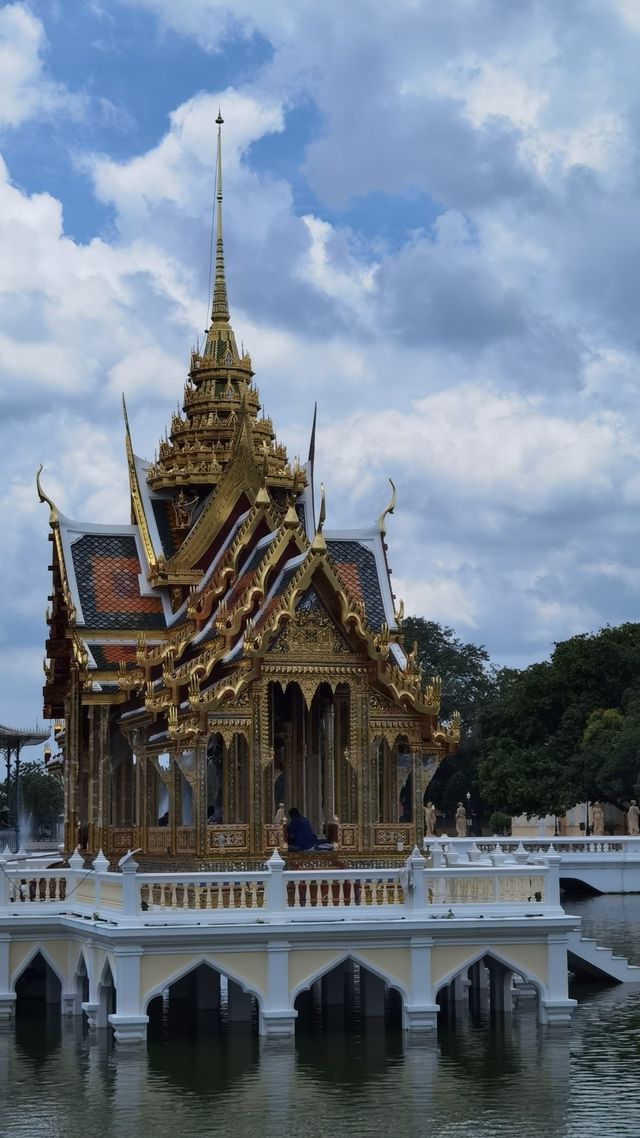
(312, 635)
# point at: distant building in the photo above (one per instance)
(223, 653)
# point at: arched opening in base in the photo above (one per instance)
(349, 995)
(201, 1002)
(38, 989)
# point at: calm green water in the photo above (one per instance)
(478, 1079)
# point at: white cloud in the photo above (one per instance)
(499, 447)
(25, 88)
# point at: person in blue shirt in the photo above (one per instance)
(300, 836)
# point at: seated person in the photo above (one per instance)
(300, 836)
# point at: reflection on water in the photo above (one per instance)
(481, 1078)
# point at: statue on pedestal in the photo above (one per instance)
(633, 819)
(461, 821)
(280, 816)
(597, 820)
(429, 812)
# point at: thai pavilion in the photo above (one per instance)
(224, 653)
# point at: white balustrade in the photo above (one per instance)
(422, 888)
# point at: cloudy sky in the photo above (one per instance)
(432, 227)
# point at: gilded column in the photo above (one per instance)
(259, 739)
(104, 782)
(361, 703)
(417, 768)
(200, 804)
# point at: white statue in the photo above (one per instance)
(597, 819)
(429, 820)
(633, 819)
(280, 816)
(461, 821)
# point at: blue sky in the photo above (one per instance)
(432, 227)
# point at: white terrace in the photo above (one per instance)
(115, 941)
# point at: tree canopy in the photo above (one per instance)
(567, 730)
(41, 794)
(468, 683)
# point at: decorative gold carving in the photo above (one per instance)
(183, 507)
(449, 733)
(311, 635)
(130, 679)
(387, 835)
(121, 838)
(384, 729)
(182, 730)
(229, 728)
(224, 838)
(158, 839)
(349, 836)
(185, 839)
(273, 837)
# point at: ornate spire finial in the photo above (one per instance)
(220, 305)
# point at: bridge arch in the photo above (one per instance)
(392, 981)
(502, 968)
(107, 995)
(37, 982)
(38, 949)
(180, 972)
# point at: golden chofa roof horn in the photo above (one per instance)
(53, 510)
(388, 509)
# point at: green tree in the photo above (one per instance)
(610, 751)
(469, 682)
(468, 678)
(565, 730)
(41, 794)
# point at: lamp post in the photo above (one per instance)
(468, 796)
(17, 778)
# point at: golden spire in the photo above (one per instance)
(220, 303)
(218, 396)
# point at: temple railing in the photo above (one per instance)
(520, 848)
(419, 889)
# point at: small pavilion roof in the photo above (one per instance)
(23, 736)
